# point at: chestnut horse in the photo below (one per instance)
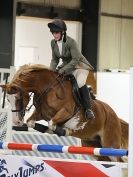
(55, 103)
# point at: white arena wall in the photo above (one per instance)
(33, 39)
(113, 88)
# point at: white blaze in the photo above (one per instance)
(12, 99)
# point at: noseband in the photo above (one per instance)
(21, 113)
(22, 110)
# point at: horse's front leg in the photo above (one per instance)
(31, 122)
(61, 116)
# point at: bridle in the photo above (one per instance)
(21, 112)
(58, 81)
(22, 109)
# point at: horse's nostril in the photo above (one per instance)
(18, 122)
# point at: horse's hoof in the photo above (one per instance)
(60, 131)
(20, 128)
(41, 128)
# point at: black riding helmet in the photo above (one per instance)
(57, 25)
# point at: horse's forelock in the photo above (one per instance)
(12, 88)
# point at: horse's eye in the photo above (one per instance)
(17, 98)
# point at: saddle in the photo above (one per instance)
(75, 90)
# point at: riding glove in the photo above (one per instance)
(61, 71)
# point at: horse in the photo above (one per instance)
(54, 102)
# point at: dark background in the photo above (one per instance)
(87, 14)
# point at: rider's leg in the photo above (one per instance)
(84, 92)
(81, 77)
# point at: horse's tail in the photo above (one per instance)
(124, 134)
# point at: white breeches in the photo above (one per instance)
(81, 76)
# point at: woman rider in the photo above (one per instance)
(73, 62)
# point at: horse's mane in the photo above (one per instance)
(27, 69)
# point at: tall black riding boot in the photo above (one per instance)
(85, 96)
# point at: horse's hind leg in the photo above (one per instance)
(112, 136)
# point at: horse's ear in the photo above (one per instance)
(10, 89)
(3, 86)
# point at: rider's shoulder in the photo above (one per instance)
(53, 42)
(70, 40)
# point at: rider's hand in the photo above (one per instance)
(61, 71)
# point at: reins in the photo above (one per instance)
(45, 91)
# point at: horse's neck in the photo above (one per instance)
(36, 82)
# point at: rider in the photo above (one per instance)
(73, 62)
